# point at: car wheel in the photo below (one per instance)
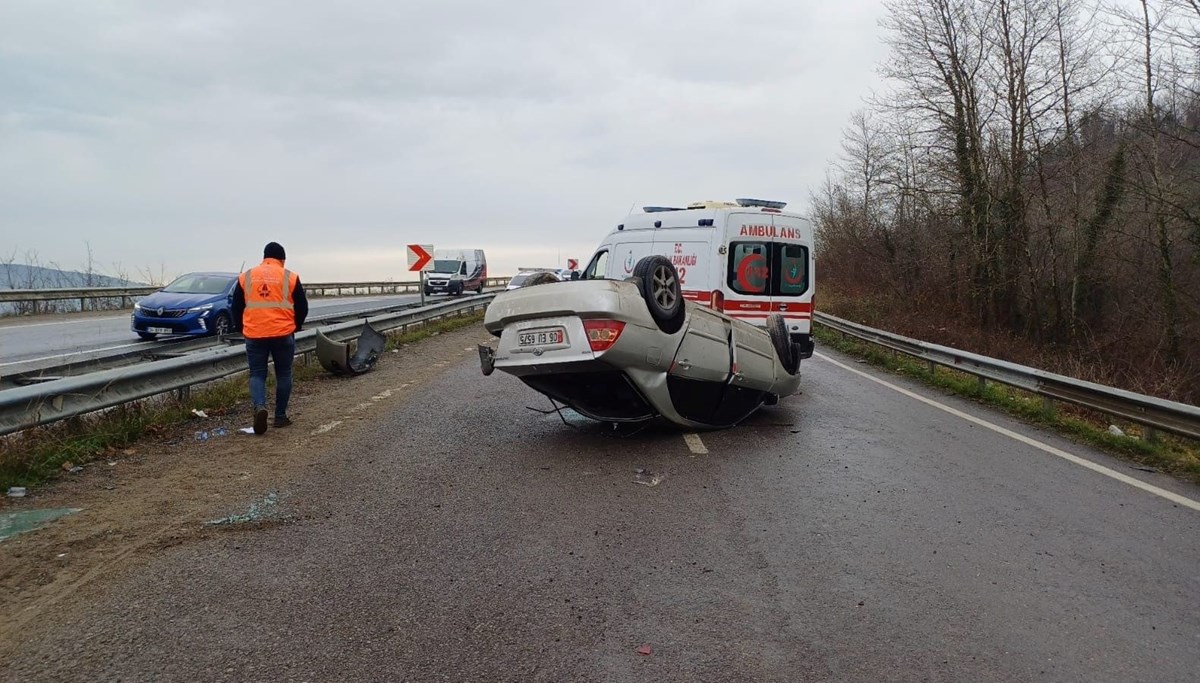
(777, 330)
(223, 325)
(659, 283)
(147, 336)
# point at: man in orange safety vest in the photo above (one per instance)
(270, 307)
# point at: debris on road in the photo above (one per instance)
(258, 511)
(1115, 430)
(68, 466)
(206, 435)
(336, 356)
(14, 523)
(645, 650)
(647, 478)
(16, 492)
(247, 430)
(199, 413)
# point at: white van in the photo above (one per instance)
(456, 271)
(748, 258)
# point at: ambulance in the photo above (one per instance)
(747, 258)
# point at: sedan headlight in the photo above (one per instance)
(137, 306)
(197, 309)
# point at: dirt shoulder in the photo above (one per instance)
(163, 490)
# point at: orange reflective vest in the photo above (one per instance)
(270, 306)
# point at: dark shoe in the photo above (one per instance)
(282, 421)
(260, 420)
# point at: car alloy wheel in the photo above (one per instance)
(658, 282)
(222, 326)
(664, 283)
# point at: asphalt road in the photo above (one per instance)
(854, 533)
(65, 338)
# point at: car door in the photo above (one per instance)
(700, 371)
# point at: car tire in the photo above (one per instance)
(223, 324)
(777, 330)
(147, 336)
(658, 282)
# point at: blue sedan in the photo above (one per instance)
(194, 304)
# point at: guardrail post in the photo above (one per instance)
(1151, 435)
(1049, 406)
(982, 384)
(82, 304)
(932, 368)
(183, 394)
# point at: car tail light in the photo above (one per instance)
(718, 300)
(602, 334)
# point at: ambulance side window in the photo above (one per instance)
(749, 267)
(793, 270)
(598, 266)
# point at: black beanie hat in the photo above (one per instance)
(274, 250)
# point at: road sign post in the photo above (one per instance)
(420, 259)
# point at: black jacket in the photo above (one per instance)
(299, 300)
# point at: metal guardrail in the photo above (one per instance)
(82, 362)
(126, 293)
(1157, 413)
(40, 404)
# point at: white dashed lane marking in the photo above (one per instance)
(327, 427)
(695, 444)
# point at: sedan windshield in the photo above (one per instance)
(519, 279)
(199, 284)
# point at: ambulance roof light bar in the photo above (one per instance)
(761, 203)
(660, 209)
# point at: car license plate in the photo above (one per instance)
(159, 330)
(544, 337)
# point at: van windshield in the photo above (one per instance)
(446, 266)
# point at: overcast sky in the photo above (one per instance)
(183, 136)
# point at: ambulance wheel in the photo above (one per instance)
(658, 282)
(777, 330)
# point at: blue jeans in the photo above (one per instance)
(283, 351)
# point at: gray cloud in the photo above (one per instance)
(188, 134)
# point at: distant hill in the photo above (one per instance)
(17, 276)
(14, 276)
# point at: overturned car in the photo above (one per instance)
(632, 350)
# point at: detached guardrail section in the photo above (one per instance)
(40, 404)
(1156, 413)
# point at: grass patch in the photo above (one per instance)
(38, 455)
(417, 333)
(1168, 453)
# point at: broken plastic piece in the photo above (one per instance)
(199, 413)
(16, 492)
(335, 356)
(645, 649)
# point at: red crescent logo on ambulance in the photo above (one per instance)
(752, 273)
